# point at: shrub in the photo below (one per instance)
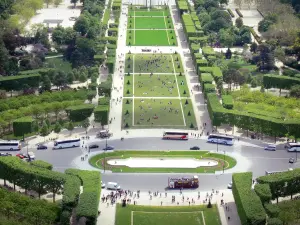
(227, 101)
(264, 193)
(41, 164)
(101, 113)
(272, 210)
(80, 112)
(23, 126)
(274, 221)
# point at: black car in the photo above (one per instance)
(41, 147)
(5, 154)
(195, 148)
(93, 146)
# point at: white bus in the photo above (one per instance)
(71, 143)
(10, 145)
(293, 147)
(220, 139)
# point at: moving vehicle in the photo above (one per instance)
(108, 148)
(93, 146)
(104, 134)
(220, 139)
(175, 135)
(41, 147)
(113, 186)
(293, 147)
(10, 145)
(292, 160)
(270, 148)
(71, 143)
(184, 182)
(195, 148)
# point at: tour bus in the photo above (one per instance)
(176, 135)
(10, 145)
(71, 143)
(293, 147)
(220, 139)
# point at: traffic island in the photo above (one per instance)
(162, 161)
(161, 215)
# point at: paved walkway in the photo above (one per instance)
(108, 210)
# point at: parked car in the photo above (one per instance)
(270, 148)
(195, 148)
(229, 186)
(5, 154)
(113, 186)
(41, 147)
(22, 156)
(93, 146)
(109, 148)
(102, 185)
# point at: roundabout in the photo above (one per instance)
(162, 161)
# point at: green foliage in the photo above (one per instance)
(281, 82)
(65, 217)
(89, 199)
(101, 113)
(23, 125)
(272, 210)
(104, 101)
(41, 164)
(80, 112)
(44, 130)
(71, 191)
(206, 78)
(274, 221)
(264, 193)
(227, 101)
(248, 204)
(21, 82)
(239, 12)
(57, 127)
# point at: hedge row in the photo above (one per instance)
(41, 164)
(227, 101)
(281, 82)
(249, 206)
(264, 192)
(239, 12)
(80, 112)
(255, 35)
(230, 13)
(89, 199)
(20, 82)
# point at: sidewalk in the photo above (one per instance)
(108, 210)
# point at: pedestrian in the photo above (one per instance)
(161, 203)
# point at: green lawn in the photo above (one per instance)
(99, 160)
(152, 12)
(153, 63)
(143, 22)
(58, 63)
(166, 215)
(151, 38)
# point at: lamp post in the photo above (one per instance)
(224, 162)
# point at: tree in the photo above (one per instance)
(58, 35)
(60, 78)
(48, 2)
(70, 127)
(226, 38)
(82, 24)
(239, 22)
(57, 128)
(86, 124)
(82, 77)
(46, 83)
(253, 47)
(70, 77)
(228, 54)
(44, 130)
(224, 2)
(74, 2)
(295, 91)
(266, 60)
(57, 2)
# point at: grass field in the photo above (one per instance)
(150, 28)
(168, 215)
(156, 94)
(99, 160)
(58, 63)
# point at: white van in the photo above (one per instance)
(113, 186)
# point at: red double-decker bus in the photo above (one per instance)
(176, 135)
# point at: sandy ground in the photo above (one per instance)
(162, 162)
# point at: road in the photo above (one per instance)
(261, 161)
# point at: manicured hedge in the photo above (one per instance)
(249, 206)
(264, 192)
(239, 12)
(41, 164)
(208, 51)
(80, 112)
(272, 210)
(281, 82)
(206, 78)
(89, 199)
(71, 192)
(104, 101)
(275, 221)
(227, 101)
(20, 82)
(101, 113)
(255, 35)
(22, 126)
(230, 13)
